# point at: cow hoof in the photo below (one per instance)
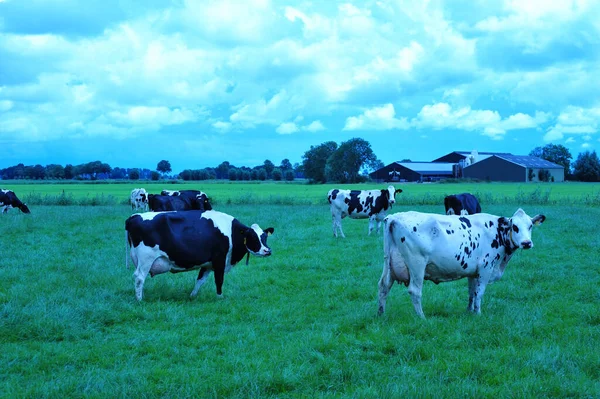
(220, 296)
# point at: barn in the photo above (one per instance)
(413, 172)
(514, 168)
(468, 156)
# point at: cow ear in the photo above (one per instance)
(398, 191)
(269, 231)
(538, 219)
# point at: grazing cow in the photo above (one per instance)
(8, 200)
(357, 204)
(139, 199)
(159, 203)
(422, 246)
(183, 241)
(172, 193)
(462, 204)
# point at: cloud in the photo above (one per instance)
(574, 121)
(376, 118)
(314, 126)
(287, 128)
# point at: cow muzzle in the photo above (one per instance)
(527, 244)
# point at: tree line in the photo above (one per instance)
(348, 162)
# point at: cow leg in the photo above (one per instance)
(416, 269)
(140, 274)
(385, 284)
(371, 224)
(219, 270)
(336, 221)
(476, 291)
(202, 276)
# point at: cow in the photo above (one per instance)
(177, 193)
(159, 203)
(161, 242)
(423, 246)
(139, 199)
(462, 204)
(357, 204)
(8, 200)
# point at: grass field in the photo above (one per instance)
(302, 323)
(284, 193)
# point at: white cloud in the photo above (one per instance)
(287, 128)
(6, 105)
(376, 118)
(152, 116)
(586, 145)
(574, 121)
(314, 126)
(570, 140)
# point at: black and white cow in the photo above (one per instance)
(139, 199)
(159, 203)
(423, 246)
(462, 204)
(357, 204)
(183, 193)
(161, 242)
(8, 200)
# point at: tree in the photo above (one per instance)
(134, 174)
(154, 175)
(269, 166)
(315, 159)
(68, 171)
(587, 167)
(285, 165)
(344, 164)
(555, 153)
(164, 167)
(288, 175)
(223, 170)
(277, 174)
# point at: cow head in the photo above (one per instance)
(391, 194)
(23, 207)
(517, 229)
(203, 203)
(255, 240)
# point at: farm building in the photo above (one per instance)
(515, 168)
(413, 171)
(468, 156)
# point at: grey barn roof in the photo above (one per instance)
(530, 161)
(428, 167)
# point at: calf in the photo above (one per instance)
(8, 200)
(357, 204)
(462, 204)
(139, 199)
(159, 203)
(183, 241)
(421, 246)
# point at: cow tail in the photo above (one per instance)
(388, 240)
(126, 249)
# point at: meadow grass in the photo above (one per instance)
(302, 323)
(300, 193)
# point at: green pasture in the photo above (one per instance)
(293, 193)
(300, 324)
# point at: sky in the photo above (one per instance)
(197, 83)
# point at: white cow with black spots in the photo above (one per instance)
(139, 199)
(423, 246)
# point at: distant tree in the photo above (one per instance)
(544, 175)
(254, 174)
(134, 174)
(223, 170)
(277, 174)
(154, 175)
(233, 174)
(54, 171)
(164, 167)
(69, 171)
(344, 164)
(285, 165)
(555, 153)
(315, 159)
(269, 166)
(406, 160)
(262, 174)
(288, 175)
(587, 167)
